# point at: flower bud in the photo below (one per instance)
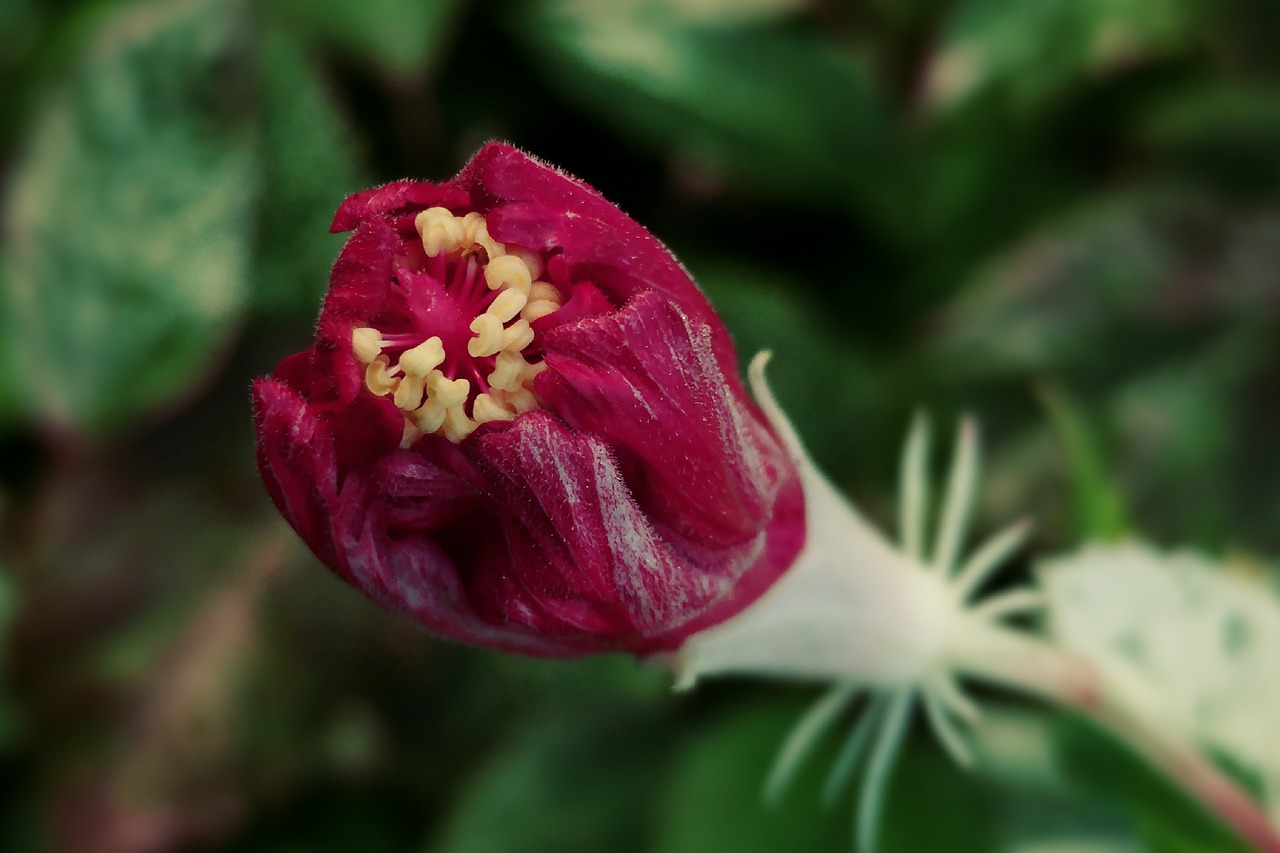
(522, 423)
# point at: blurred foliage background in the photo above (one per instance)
(1041, 211)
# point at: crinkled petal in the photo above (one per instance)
(535, 205)
(647, 380)
(582, 555)
(408, 537)
(297, 460)
(395, 198)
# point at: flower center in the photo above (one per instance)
(467, 363)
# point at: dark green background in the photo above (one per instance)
(1060, 215)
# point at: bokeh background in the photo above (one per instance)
(1060, 215)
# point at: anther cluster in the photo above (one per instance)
(451, 392)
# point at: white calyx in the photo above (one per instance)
(869, 618)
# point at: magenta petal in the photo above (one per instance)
(538, 206)
(405, 535)
(392, 198)
(583, 556)
(297, 461)
(647, 380)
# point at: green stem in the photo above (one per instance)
(1028, 664)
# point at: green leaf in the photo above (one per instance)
(604, 683)
(1153, 306)
(401, 37)
(713, 802)
(767, 310)
(311, 161)
(1163, 814)
(1032, 51)
(1225, 134)
(1099, 507)
(780, 112)
(562, 785)
(129, 215)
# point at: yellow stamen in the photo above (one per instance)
(408, 394)
(544, 298)
(477, 234)
(521, 401)
(449, 393)
(366, 343)
(531, 372)
(432, 403)
(544, 290)
(508, 371)
(378, 378)
(429, 416)
(457, 425)
(531, 260)
(507, 305)
(537, 310)
(517, 336)
(441, 231)
(486, 408)
(508, 271)
(423, 358)
(489, 337)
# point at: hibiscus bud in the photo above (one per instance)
(522, 423)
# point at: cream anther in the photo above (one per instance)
(408, 394)
(507, 305)
(441, 231)
(522, 400)
(476, 232)
(423, 358)
(508, 371)
(544, 290)
(508, 271)
(531, 372)
(470, 223)
(489, 336)
(531, 260)
(517, 336)
(457, 425)
(366, 343)
(544, 298)
(429, 416)
(486, 409)
(378, 378)
(449, 393)
(537, 310)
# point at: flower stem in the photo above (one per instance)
(993, 653)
